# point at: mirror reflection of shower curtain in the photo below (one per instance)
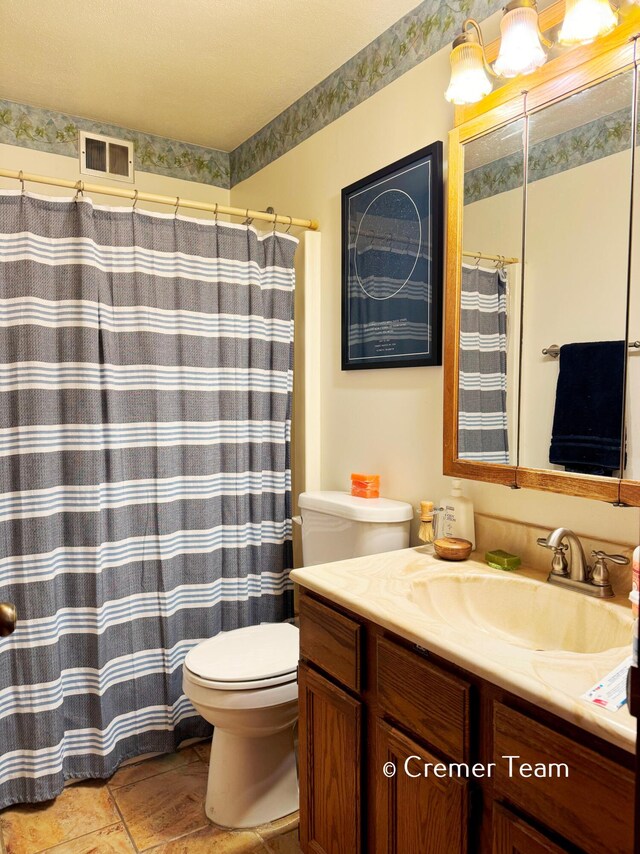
(482, 404)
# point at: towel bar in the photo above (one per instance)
(554, 349)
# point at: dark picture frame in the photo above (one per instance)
(392, 273)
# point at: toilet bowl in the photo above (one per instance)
(244, 682)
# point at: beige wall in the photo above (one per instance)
(390, 421)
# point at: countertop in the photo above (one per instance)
(381, 588)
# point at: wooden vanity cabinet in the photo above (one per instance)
(330, 743)
(424, 814)
(512, 835)
(368, 698)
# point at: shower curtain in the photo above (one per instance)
(482, 404)
(145, 382)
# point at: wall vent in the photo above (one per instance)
(106, 156)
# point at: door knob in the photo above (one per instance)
(8, 618)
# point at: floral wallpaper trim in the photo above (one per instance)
(57, 133)
(411, 40)
(600, 138)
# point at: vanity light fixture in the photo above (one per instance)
(470, 80)
(522, 45)
(586, 20)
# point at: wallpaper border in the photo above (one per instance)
(588, 142)
(57, 133)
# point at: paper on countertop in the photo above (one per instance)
(611, 692)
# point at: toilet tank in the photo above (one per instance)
(337, 526)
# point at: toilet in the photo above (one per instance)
(244, 681)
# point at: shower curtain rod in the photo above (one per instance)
(502, 259)
(173, 201)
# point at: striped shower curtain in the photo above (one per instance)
(145, 387)
(482, 401)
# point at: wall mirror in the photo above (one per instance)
(574, 305)
(542, 360)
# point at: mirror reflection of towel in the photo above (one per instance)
(587, 422)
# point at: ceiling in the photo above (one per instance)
(210, 72)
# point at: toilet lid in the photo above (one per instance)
(247, 655)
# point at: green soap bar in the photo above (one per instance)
(499, 559)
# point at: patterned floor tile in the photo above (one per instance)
(150, 767)
(166, 806)
(287, 844)
(109, 840)
(282, 825)
(212, 840)
(78, 810)
(203, 750)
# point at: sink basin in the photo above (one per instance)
(523, 612)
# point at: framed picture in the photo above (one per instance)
(392, 265)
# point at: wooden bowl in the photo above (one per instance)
(452, 548)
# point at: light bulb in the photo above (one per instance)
(469, 80)
(521, 50)
(586, 20)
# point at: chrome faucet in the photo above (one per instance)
(576, 572)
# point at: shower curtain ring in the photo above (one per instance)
(79, 190)
(135, 200)
(247, 219)
(275, 221)
(21, 179)
(215, 214)
(289, 226)
(175, 211)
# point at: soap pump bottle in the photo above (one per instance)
(456, 518)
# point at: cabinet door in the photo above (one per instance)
(425, 814)
(512, 835)
(330, 731)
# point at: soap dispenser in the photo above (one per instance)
(456, 515)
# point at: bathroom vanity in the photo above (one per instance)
(464, 685)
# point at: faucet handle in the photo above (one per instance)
(600, 572)
(559, 564)
(622, 560)
(542, 541)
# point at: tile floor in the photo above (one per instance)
(156, 805)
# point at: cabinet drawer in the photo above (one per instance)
(592, 806)
(330, 640)
(424, 699)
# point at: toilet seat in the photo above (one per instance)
(244, 684)
(246, 659)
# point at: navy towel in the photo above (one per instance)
(587, 423)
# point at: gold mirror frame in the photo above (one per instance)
(568, 74)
